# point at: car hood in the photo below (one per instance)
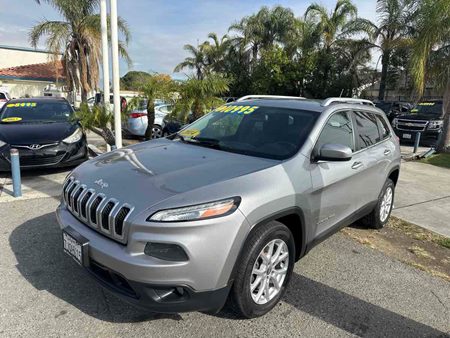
(35, 133)
(150, 172)
(425, 117)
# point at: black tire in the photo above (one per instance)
(240, 296)
(373, 220)
(157, 131)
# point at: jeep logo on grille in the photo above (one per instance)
(102, 184)
(34, 146)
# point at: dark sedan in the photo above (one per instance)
(44, 131)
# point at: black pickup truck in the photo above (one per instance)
(427, 117)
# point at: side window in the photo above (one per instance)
(337, 130)
(3, 96)
(384, 128)
(367, 129)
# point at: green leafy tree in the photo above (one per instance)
(197, 61)
(98, 120)
(198, 96)
(160, 87)
(78, 38)
(134, 80)
(430, 59)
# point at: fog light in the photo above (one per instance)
(167, 252)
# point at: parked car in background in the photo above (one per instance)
(44, 132)
(427, 117)
(136, 123)
(394, 109)
(224, 208)
(4, 97)
(173, 124)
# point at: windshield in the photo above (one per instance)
(269, 132)
(428, 108)
(35, 112)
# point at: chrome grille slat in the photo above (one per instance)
(102, 213)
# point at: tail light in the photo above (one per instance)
(3, 100)
(137, 115)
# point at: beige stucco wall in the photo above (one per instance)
(14, 58)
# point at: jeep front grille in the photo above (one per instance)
(106, 215)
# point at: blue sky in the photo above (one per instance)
(159, 28)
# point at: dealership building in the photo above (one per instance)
(27, 72)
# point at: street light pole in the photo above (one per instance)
(105, 55)
(115, 73)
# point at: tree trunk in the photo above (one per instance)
(84, 96)
(384, 72)
(150, 120)
(444, 141)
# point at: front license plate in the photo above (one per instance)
(75, 248)
(407, 136)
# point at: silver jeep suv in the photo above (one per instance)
(224, 208)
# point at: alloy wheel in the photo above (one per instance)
(269, 271)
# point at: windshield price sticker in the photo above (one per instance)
(190, 133)
(237, 109)
(12, 119)
(21, 104)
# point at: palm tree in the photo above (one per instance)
(200, 95)
(196, 62)
(158, 86)
(331, 27)
(78, 38)
(392, 32)
(430, 59)
(216, 51)
(265, 28)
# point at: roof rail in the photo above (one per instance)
(273, 97)
(331, 100)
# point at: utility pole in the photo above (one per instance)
(105, 55)
(116, 74)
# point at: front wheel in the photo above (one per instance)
(379, 216)
(264, 270)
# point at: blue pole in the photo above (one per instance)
(417, 141)
(15, 173)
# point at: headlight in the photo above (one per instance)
(394, 122)
(197, 212)
(435, 124)
(75, 137)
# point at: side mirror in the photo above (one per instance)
(334, 152)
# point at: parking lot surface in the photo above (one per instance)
(341, 288)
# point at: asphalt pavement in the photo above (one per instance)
(340, 289)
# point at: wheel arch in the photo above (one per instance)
(394, 174)
(294, 219)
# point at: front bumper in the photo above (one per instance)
(200, 284)
(427, 135)
(56, 156)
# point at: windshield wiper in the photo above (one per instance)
(205, 141)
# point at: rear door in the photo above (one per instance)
(336, 185)
(373, 143)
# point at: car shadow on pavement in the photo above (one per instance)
(351, 313)
(37, 245)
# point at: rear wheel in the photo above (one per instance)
(157, 131)
(264, 270)
(379, 216)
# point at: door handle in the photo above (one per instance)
(357, 165)
(387, 152)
